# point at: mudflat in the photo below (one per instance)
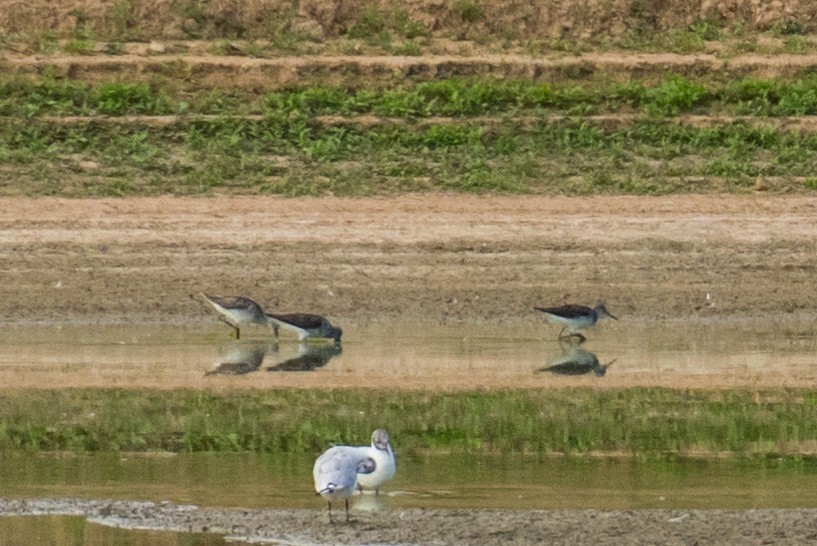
(434, 258)
(420, 526)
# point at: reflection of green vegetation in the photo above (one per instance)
(641, 422)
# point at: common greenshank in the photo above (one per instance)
(306, 326)
(237, 310)
(575, 317)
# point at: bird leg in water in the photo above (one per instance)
(347, 509)
(573, 335)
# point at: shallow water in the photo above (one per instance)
(415, 356)
(440, 481)
(404, 356)
(25, 530)
(483, 482)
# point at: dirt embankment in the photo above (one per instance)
(428, 257)
(203, 71)
(266, 44)
(504, 19)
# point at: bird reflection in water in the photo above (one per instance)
(370, 502)
(576, 361)
(243, 357)
(309, 357)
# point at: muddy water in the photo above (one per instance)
(412, 356)
(415, 356)
(78, 530)
(450, 481)
(185, 485)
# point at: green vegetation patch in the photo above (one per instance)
(669, 96)
(641, 422)
(297, 155)
(491, 136)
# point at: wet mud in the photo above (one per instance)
(419, 526)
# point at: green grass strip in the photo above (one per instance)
(669, 96)
(291, 155)
(641, 422)
(288, 152)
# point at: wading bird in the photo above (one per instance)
(381, 453)
(306, 326)
(237, 310)
(575, 317)
(336, 472)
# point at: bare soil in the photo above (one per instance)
(432, 258)
(202, 70)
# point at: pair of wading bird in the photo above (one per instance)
(239, 310)
(342, 470)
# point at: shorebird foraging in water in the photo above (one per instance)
(381, 453)
(575, 317)
(306, 326)
(237, 310)
(336, 473)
